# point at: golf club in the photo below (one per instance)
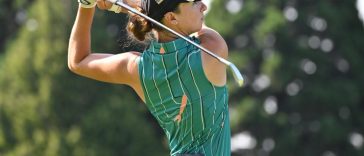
(236, 73)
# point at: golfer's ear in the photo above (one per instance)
(170, 18)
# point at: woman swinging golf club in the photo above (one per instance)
(183, 88)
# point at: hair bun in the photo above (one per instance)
(138, 26)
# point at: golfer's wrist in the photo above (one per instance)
(87, 3)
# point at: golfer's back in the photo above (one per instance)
(192, 112)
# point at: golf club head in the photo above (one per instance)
(237, 75)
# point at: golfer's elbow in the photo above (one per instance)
(79, 48)
(73, 64)
(74, 67)
(77, 52)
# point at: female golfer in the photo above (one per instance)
(183, 88)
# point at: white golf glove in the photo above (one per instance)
(87, 3)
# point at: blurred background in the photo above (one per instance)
(303, 61)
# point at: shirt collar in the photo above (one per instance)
(167, 47)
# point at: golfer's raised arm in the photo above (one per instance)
(99, 66)
(80, 40)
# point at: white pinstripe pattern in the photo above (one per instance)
(208, 135)
(220, 140)
(203, 149)
(168, 134)
(223, 115)
(213, 116)
(212, 138)
(198, 90)
(155, 84)
(170, 90)
(146, 90)
(180, 83)
(179, 78)
(223, 122)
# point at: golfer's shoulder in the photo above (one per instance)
(127, 61)
(130, 62)
(132, 57)
(213, 41)
(133, 53)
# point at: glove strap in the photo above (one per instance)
(87, 3)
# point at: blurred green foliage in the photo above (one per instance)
(302, 59)
(303, 62)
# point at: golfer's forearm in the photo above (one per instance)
(80, 39)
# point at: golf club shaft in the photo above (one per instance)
(133, 10)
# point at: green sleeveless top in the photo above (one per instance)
(192, 112)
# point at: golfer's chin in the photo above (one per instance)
(198, 28)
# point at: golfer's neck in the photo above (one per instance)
(164, 36)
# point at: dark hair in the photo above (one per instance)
(139, 28)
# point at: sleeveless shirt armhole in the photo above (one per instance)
(196, 40)
(138, 61)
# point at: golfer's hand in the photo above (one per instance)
(104, 4)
